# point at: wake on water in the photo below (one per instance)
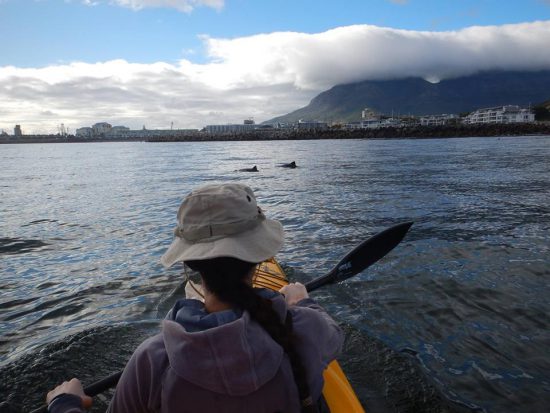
(384, 380)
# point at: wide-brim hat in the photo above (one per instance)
(223, 220)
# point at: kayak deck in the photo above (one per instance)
(337, 390)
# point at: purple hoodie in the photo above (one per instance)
(224, 361)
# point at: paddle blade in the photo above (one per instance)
(363, 256)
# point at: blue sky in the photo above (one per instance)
(194, 62)
(37, 33)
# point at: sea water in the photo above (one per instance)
(456, 317)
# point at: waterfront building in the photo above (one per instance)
(370, 119)
(375, 123)
(17, 131)
(381, 123)
(437, 120)
(230, 128)
(310, 124)
(368, 113)
(85, 132)
(126, 133)
(101, 128)
(500, 114)
(248, 125)
(353, 125)
(117, 132)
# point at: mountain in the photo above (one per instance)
(417, 96)
(542, 111)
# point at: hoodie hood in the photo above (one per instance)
(224, 352)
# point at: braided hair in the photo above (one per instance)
(226, 278)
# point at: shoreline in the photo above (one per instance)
(417, 132)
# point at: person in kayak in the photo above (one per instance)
(242, 349)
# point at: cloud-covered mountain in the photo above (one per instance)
(417, 96)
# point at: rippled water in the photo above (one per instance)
(457, 315)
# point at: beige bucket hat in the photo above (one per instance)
(223, 220)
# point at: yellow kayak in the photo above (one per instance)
(337, 391)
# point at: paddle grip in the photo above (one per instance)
(93, 389)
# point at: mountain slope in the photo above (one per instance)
(417, 96)
(542, 111)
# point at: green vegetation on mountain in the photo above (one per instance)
(417, 96)
(542, 111)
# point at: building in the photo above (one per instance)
(17, 131)
(500, 114)
(310, 124)
(381, 123)
(353, 125)
(368, 113)
(247, 126)
(126, 133)
(101, 129)
(85, 132)
(117, 132)
(230, 128)
(106, 131)
(437, 120)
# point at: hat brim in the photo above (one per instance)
(255, 245)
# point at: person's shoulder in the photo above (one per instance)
(151, 348)
(150, 359)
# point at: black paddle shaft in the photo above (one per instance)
(359, 259)
(363, 256)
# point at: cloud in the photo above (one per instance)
(262, 76)
(354, 53)
(131, 94)
(399, 1)
(185, 6)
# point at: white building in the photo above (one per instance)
(230, 128)
(151, 133)
(85, 132)
(381, 123)
(117, 132)
(437, 120)
(368, 113)
(248, 125)
(310, 124)
(353, 125)
(375, 123)
(101, 128)
(500, 114)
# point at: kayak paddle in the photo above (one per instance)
(93, 389)
(356, 261)
(363, 256)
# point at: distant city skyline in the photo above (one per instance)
(197, 62)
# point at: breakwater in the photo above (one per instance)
(418, 132)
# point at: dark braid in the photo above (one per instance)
(225, 277)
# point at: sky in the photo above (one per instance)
(190, 63)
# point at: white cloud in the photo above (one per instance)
(185, 6)
(261, 76)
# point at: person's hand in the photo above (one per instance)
(294, 292)
(70, 387)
